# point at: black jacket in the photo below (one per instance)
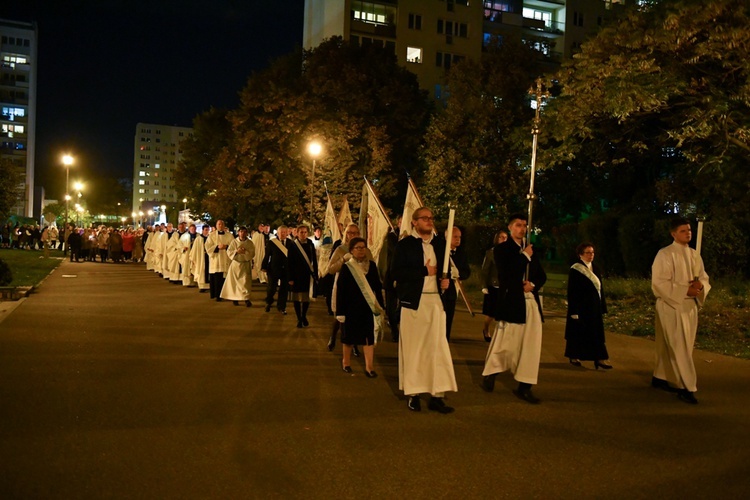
(274, 262)
(409, 269)
(511, 268)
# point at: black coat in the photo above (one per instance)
(297, 269)
(351, 303)
(461, 260)
(511, 269)
(409, 269)
(585, 335)
(275, 262)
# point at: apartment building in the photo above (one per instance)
(429, 36)
(156, 154)
(18, 81)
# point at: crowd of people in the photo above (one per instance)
(409, 294)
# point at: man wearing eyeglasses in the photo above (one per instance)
(425, 363)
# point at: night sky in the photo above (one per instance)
(105, 65)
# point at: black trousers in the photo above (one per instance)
(272, 287)
(393, 311)
(450, 310)
(216, 283)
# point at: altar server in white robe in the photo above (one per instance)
(680, 284)
(157, 250)
(164, 251)
(174, 253)
(218, 262)
(425, 363)
(517, 342)
(239, 280)
(186, 245)
(199, 261)
(148, 250)
(259, 240)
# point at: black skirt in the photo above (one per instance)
(490, 302)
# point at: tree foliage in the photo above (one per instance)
(367, 112)
(653, 118)
(477, 147)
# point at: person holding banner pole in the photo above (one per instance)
(425, 363)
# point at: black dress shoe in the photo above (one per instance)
(299, 324)
(235, 302)
(355, 351)
(488, 383)
(347, 369)
(305, 322)
(527, 396)
(248, 303)
(687, 396)
(658, 383)
(371, 374)
(599, 364)
(438, 405)
(268, 307)
(414, 404)
(575, 362)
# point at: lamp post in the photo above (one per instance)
(140, 218)
(67, 161)
(184, 203)
(151, 217)
(313, 149)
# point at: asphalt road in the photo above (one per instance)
(117, 384)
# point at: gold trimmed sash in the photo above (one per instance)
(590, 275)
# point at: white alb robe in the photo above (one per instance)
(198, 262)
(239, 276)
(259, 241)
(218, 261)
(186, 275)
(148, 255)
(517, 347)
(424, 357)
(174, 253)
(673, 269)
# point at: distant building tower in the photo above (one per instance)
(157, 151)
(429, 36)
(18, 77)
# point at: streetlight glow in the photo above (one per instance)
(314, 149)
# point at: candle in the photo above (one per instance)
(448, 238)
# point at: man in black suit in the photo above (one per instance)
(517, 342)
(274, 264)
(461, 271)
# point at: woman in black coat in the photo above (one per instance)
(584, 330)
(353, 310)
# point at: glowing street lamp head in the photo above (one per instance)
(67, 160)
(150, 213)
(184, 200)
(78, 186)
(314, 148)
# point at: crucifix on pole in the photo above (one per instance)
(540, 96)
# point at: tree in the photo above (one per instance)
(476, 148)
(11, 179)
(653, 118)
(367, 111)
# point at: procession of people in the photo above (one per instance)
(420, 310)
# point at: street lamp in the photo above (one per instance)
(313, 149)
(151, 217)
(67, 160)
(184, 203)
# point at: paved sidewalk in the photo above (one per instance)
(116, 384)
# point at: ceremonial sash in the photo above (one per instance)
(311, 293)
(361, 280)
(281, 247)
(590, 275)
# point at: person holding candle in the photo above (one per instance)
(425, 363)
(517, 342)
(680, 284)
